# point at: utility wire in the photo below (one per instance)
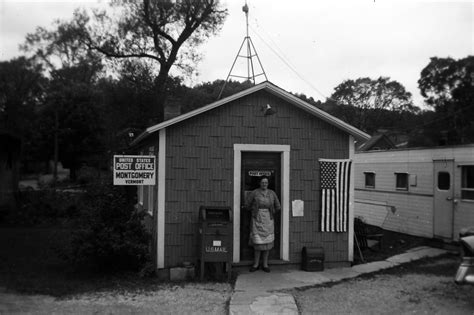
(273, 42)
(281, 55)
(287, 63)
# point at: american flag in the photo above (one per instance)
(335, 181)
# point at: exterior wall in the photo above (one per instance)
(409, 214)
(147, 196)
(464, 210)
(402, 211)
(409, 211)
(199, 168)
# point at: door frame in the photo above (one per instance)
(449, 166)
(285, 193)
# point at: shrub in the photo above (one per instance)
(87, 174)
(109, 234)
(42, 207)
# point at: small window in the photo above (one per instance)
(140, 195)
(467, 184)
(401, 181)
(444, 181)
(150, 200)
(413, 180)
(146, 198)
(369, 179)
(151, 192)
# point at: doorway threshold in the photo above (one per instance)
(270, 262)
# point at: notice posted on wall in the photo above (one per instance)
(298, 208)
(134, 170)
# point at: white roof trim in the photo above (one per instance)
(262, 86)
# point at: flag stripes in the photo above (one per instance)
(335, 181)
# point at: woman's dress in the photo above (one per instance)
(263, 204)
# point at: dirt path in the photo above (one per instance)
(424, 288)
(206, 298)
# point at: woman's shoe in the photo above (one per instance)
(266, 269)
(252, 269)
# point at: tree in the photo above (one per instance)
(208, 92)
(21, 89)
(364, 95)
(59, 48)
(127, 106)
(309, 100)
(70, 121)
(164, 32)
(448, 87)
(70, 127)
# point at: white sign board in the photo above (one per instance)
(298, 208)
(134, 169)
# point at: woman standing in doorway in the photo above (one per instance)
(263, 203)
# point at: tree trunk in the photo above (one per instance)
(158, 111)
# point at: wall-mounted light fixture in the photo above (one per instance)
(268, 110)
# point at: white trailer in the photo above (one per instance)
(426, 192)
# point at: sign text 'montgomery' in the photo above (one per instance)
(134, 170)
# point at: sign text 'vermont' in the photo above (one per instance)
(134, 170)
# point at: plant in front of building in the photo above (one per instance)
(42, 208)
(108, 234)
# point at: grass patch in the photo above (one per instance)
(30, 262)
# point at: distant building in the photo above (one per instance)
(213, 156)
(377, 142)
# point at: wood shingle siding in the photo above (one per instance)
(200, 163)
(199, 168)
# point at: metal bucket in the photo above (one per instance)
(465, 273)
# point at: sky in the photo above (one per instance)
(305, 46)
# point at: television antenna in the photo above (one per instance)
(251, 54)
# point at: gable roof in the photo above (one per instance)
(272, 89)
(377, 140)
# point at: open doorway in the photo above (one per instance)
(256, 165)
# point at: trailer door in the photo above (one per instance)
(443, 199)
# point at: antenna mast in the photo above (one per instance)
(251, 53)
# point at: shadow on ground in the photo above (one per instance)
(393, 243)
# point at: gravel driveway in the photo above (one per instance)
(192, 298)
(419, 288)
(424, 287)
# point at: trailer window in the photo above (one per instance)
(401, 181)
(369, 179)
(467, 184)
(444, 181)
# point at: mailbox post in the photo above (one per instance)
(216, 236)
